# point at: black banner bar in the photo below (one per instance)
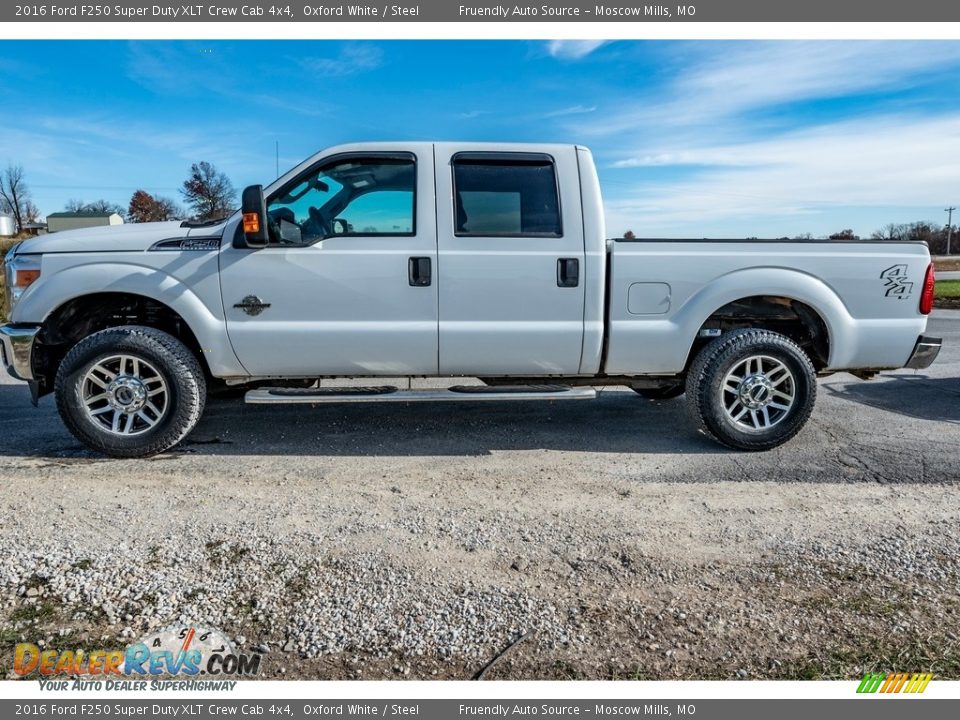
(305, 11)
(867, 708)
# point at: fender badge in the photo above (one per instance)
(895, 280)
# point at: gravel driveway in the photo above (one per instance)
(419, 541)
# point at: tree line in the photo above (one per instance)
(207, 193)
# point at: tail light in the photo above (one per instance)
(926, 297)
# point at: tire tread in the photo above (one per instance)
(178, 360)
(703, 409)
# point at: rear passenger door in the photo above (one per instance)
(510, 261)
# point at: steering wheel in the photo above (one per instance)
(317, 218)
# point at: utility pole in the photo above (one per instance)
(949, 212)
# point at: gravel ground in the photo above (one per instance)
(420, 541)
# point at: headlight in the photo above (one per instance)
(21, 272)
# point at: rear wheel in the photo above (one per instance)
(130, 391)
(752, 389)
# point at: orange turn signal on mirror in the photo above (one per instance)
(25, 278)
(251, 222)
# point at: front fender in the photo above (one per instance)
(188, 283)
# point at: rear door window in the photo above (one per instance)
(506, 195)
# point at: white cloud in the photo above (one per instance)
(351, 59)
(728, 80)
(891, 161)
(573, 110)
(472, 114)
(573, 49)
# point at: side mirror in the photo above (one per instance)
(254, 223)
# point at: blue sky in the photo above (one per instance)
(697, 139)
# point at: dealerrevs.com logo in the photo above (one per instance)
(178, 651)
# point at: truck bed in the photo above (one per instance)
(662, 291)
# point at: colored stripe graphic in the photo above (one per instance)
(870, 683)
(918, 682)
(894, 683)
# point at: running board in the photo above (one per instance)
(388, 393)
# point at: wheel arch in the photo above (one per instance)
(793, 318)
(81, 316)
(779, 299)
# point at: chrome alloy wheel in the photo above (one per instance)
(124, 395)
(758, 393)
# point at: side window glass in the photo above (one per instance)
(382, 212)
(495, 195)
(361, 197)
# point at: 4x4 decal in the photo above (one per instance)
(895, 280)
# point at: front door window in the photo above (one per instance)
(358, 197)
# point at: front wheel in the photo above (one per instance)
(130, 391)
(752, 389)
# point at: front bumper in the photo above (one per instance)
(924, 352)
(16, 348)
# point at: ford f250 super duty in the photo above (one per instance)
(447, 259)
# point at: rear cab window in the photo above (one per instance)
(506, 195)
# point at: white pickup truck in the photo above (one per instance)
(446, 260)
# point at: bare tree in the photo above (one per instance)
(15, 196)
(890, 231)
(208, 192)
(31, 213)
(97, 206)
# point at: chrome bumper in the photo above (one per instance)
(16, 347)
(924, 352)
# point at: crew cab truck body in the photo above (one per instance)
(447, 259)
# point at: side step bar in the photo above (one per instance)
(388, 393)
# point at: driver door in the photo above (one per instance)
(347, 285)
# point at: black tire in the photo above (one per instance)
(183, 395)
(706, 396)
(667, 392)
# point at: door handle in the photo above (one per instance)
(568, 272)
(419, 271)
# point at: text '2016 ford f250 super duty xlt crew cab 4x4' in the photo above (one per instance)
(447, 259)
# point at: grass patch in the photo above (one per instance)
(298, 584)
(948, 294)
(9, 637)
(31, 613)
(36, 582)
(875, 656)
(948, 289)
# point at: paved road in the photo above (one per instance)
(389, 541)
(948, 275)
(918, 414)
